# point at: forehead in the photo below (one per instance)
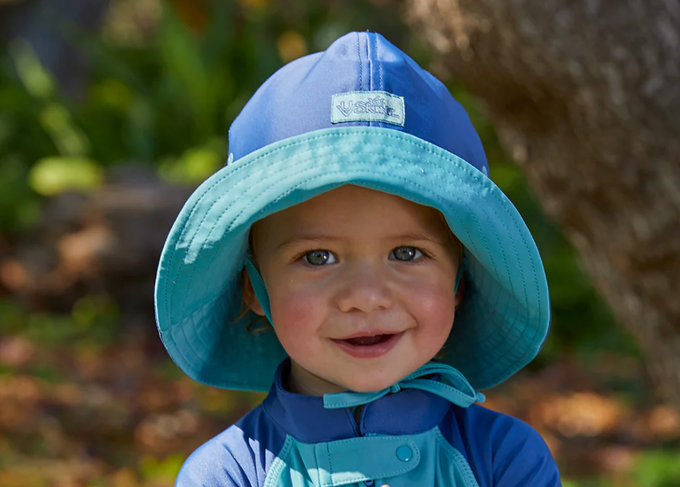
(354, 208)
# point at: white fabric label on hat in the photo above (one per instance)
(368, 106)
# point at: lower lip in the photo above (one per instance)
(369, 351)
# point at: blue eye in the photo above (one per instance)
(319, 257)
(406, 254)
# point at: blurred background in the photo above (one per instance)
(112, 112)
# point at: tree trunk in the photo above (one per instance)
(585, 96)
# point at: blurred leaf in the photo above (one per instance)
(12, 317)
(18, 207)
(36, 79)
(183, 58)
(6, 128)
(166, 469)
(194, 165)
(54, 175)
(506, 176)
(112, 93)
(658, 469)
(66, 136)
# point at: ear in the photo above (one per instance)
(460, 293)
(249, 295)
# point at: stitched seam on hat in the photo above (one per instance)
(368, 65)
(361, 66)
(519, 338)
(206, 349)
(380, 69)
(519, 359)
(489, 337)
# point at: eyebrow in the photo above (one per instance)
(413, 236)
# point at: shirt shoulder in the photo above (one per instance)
(502, 451)
(240, 456)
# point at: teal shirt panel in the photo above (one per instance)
(400, 461)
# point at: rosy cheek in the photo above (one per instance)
(296, 312)
(434, 306)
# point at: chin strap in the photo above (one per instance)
(453, 387)
(258, 287)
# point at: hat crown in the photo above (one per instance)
(360, 80)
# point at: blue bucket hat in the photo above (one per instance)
(364, 113)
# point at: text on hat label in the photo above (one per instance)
(368, 106)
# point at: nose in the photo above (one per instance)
(364, 288)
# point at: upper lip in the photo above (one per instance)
(368, 333)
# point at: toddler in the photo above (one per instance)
(355, 215)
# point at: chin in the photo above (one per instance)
(371, 385)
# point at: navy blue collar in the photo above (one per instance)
(407, 412)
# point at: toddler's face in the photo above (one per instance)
(361, 287)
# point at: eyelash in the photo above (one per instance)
(424, 255)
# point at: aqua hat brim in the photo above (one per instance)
(499, 329)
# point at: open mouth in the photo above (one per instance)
(369, 346)
(366, 341)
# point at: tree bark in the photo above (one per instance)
(585, 96)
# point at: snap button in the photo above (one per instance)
(404, 453)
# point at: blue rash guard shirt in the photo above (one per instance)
(411, 438)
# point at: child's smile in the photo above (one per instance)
(361, 286)
(369, 344)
